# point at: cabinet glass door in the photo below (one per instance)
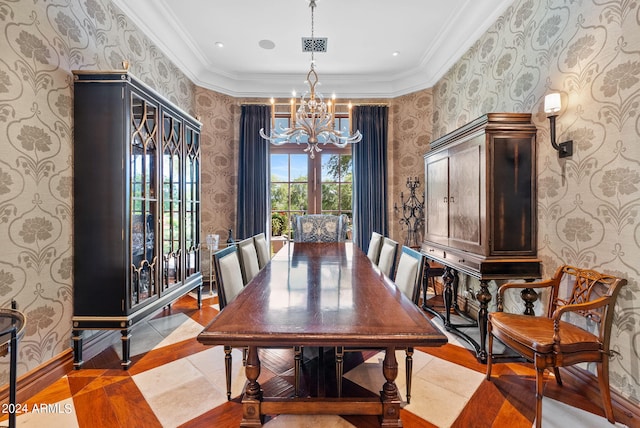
(171, 201)
(192, 201)
(143, 221)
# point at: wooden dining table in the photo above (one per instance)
(321, 295)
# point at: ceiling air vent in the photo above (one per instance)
(317, 44)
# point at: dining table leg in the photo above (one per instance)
(252, 398)
(389, 394)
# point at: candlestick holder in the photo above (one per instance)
(412, 215)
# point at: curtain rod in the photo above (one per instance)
(338, 104)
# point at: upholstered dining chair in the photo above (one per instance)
(248, 259)
(408, 280)
(229, 282)
(262, 248)
(374, 247)
(387, 259)
(228, 274)
(320, 228)
(573, 329)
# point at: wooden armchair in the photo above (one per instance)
(572, 330)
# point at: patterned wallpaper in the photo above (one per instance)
(410, 134)
(42, 42)
(588, 49)
(220, 116)
(589, 204)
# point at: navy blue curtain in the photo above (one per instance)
(370, 173)
(253, 171)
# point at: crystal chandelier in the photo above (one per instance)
(314, 121)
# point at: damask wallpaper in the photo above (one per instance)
(220, 116)
(410, 134)
(42, 42)
(588, 204)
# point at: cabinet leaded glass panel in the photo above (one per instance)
(172, 201)
(144, 127)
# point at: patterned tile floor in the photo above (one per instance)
(174, 381)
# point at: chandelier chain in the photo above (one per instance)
(312, 5)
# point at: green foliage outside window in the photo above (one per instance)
(278, 224)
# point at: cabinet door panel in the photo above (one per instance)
(143, 183)
(513, 230)
(436, 198)
(172, 198)
(192, 200)
(466, 195)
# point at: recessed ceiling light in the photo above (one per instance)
(396, 53)
(219, 44)
(266, 44)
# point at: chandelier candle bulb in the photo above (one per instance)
(273, 113)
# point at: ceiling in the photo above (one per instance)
(429, 36)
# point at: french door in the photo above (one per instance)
(301, 185)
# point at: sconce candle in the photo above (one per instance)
(552, 105)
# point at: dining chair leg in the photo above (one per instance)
(602, 369)
(227, 369)
(339, 368)
(539, 390)
(489, 350)
(556, 373)
(409, 370)
(297, 369)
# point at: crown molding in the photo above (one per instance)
(463, 29)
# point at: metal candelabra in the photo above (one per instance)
(412, 213)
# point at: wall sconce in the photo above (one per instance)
(551, 107)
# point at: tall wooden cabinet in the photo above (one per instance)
(480, 205)
(136, 204)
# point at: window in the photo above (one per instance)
(301, 185)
